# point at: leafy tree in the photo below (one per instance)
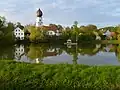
(36, 34)
(76, 31)
(59, 27)
(2, 22)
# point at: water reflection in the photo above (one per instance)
(80, 54)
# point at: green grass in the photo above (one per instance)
(24, 76)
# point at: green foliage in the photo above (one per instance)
(2, 22)
(36, 51)
(6, 32)
(60, 76)
(36, 34)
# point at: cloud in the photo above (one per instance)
(65, 12)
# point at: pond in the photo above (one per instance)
(88, 54)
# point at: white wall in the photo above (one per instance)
(38, 21)
(51, 33)
(19, 33)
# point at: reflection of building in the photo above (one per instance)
(19, 51)
(108, 48)
(50, 52)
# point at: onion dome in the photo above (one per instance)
(39, 13)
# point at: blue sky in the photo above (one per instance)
(65, 12)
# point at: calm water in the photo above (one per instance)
(89, 54)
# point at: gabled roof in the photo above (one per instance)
(21, 27)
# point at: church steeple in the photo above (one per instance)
(39, 15)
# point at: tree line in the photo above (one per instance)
(74, 32)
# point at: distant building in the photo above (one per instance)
(19, 33)
(52, 30)
(53, 33)
(109, 34)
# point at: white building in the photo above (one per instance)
(107, 33)
(19, 33)
(52, 33)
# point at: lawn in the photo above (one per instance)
(24, 76)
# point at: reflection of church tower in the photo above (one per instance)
(39, 17)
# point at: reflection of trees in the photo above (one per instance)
(117, 52)
(6, 52)
(36, 51)
(83, 49)
(39, 51)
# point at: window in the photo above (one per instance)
(21, 33)
(16, 30)
(16, 33)
(22, 38)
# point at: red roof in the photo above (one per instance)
(51, 27)
(50, 54)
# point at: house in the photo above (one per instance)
(50, 33)
(109, 34)
(19, 33)
(53, 33)
(52, 30)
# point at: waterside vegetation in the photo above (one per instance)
(58, 76)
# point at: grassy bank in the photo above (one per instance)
(23, 76)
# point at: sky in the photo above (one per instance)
(64, 12)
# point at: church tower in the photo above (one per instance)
(39, 18)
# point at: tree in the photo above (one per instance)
(36, 34)
(75, 23)
(2, 22)
(91, 27)
(59, 27)
(75, 32)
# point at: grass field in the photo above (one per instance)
(23, 76)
